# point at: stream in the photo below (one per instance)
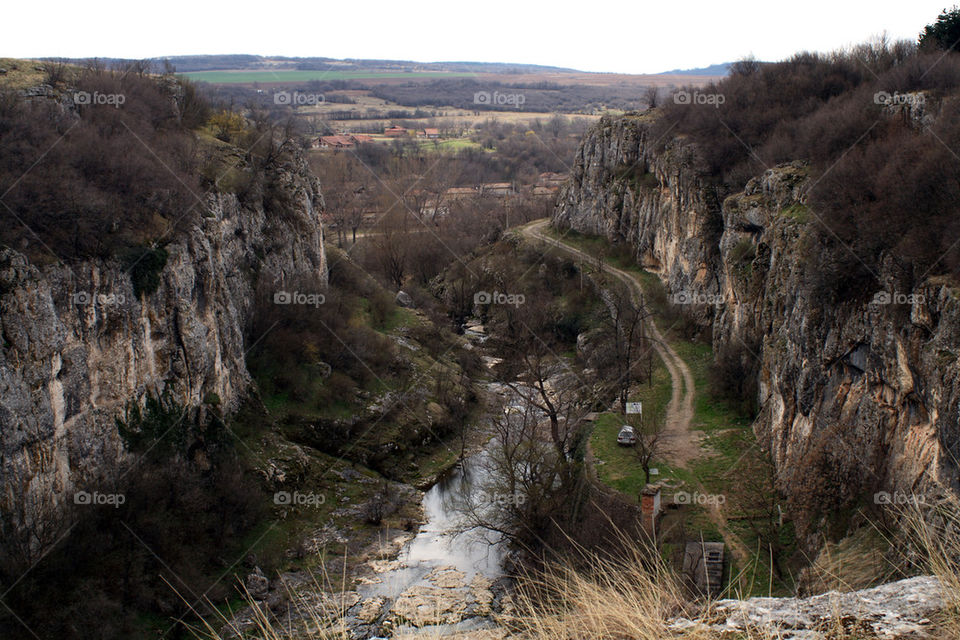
(439, 543)
(443, 579)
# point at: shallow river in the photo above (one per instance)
(440, 543)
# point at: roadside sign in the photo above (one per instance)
(654, 471)
(635, 407)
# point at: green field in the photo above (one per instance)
(247, 77)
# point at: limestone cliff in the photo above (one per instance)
(856, 396)
(78, 344)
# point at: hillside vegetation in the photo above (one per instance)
(878, 126)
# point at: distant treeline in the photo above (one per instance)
(458, 93)
(185, 64)
(534, 96)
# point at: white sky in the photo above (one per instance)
(627, 37)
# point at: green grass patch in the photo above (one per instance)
(797, 212)
(400, 318)
(620, 256)
(452, 145)
(617, 466)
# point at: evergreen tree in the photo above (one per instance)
(944, 34)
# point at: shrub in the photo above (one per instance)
(881, 178)
(145, 266)
(112, 177)
(733, 378)
(743, 252)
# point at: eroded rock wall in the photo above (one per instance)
(78, 344)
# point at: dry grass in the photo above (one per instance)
(21, 74)
(634, 596)
(626, 598)
(858, 561)
(262, 625)
(320, 616)
(935, 533)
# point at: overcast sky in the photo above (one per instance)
(627, 37)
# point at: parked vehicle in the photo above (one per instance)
(627, 436)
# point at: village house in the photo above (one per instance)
(496, 189)
(342, 141)
(551, 179)
(335, 142)
(395, 132)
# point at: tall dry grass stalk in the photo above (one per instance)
(264, 626)
(316, 620)
(936, 534)
(632, 596)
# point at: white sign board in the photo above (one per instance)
(635, 407)
(654, 471)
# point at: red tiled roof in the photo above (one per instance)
(336, 141)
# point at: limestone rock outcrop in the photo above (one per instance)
(78, 344)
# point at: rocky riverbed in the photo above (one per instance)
(443, 579)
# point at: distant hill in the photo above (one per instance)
(721, 69)
(502, 67)
(228, 62)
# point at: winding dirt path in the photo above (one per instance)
(683, 443)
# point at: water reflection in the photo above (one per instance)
(442, 540)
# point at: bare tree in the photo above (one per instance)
(529, 487)
(624, 331)
(344, 191)
(358, 209)
(652, 97)
(650, 441)
(391, 249)
(546, 381)
(757, 501)
(54, 72)
(441, 177)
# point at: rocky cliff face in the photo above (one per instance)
(78, 344)
(856, 396)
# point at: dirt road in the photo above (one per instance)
(682, 442)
